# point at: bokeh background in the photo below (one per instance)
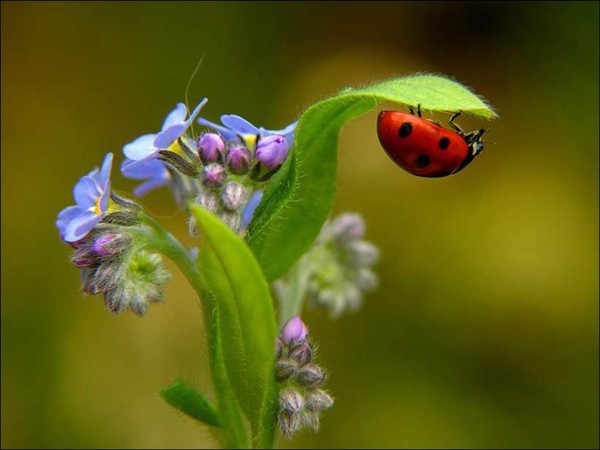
(484, 332)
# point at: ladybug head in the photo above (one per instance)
(475, 143)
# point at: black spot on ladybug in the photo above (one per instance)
(405, 129)
(444, 143)
(421, 161)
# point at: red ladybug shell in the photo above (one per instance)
(420, 147)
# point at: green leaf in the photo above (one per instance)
(246, 321)
(299, 198)
(234, 434)
(186, 399)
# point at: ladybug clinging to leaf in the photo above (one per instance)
(425, 148)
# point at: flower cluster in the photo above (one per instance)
(110, 265)
(105, 252)
(337, 271)
(301, 400)
(223, 170)
(343, 265)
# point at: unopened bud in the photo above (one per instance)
(107, 276)
(213, 175)
(234, 195)
(82, 257)
(271, 151)
(291, 401)
(301, 352)
(294, 330)
(363, 253)
(289, 423)
(285, 369)
(310, 376)
(348, 227)
(110, 244)
(318, 400)
(211, 147)
(238, 159)
(366, 279)
(209, 201)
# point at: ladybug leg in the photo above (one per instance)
(419, 110)
(453, 125)
(411, 110)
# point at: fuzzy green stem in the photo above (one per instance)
(156, 238)
(292, 294)
(165, 243)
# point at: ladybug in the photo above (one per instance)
(423, 147)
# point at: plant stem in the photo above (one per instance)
(291, 295)
(164, 242)
(156, 238)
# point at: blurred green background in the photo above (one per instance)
(484, 332)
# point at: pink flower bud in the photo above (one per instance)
(238, 159)
(294, 331)
(211, 146)
(271, 151)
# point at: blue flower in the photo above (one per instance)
(91, 194)
(240, 128)
(141, 162)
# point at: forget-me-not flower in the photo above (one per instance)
(91, 194)
(141, 153)
(238, 127)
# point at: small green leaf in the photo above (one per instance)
(232, 277)
(299, 198)
(186, 399)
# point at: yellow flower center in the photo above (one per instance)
(176, 148)
(97, 209)
(249, 140)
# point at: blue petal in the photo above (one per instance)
(140, 148)
(86, 192)
(140, 170)
(104, 198)
(150, 185)
(165, 138)
(80, 226)
(195, 113)
(225, 132)
(238, 124)
(250, 208)
(104, 176)
(65, 216)
(176, 116)
(287, 132)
